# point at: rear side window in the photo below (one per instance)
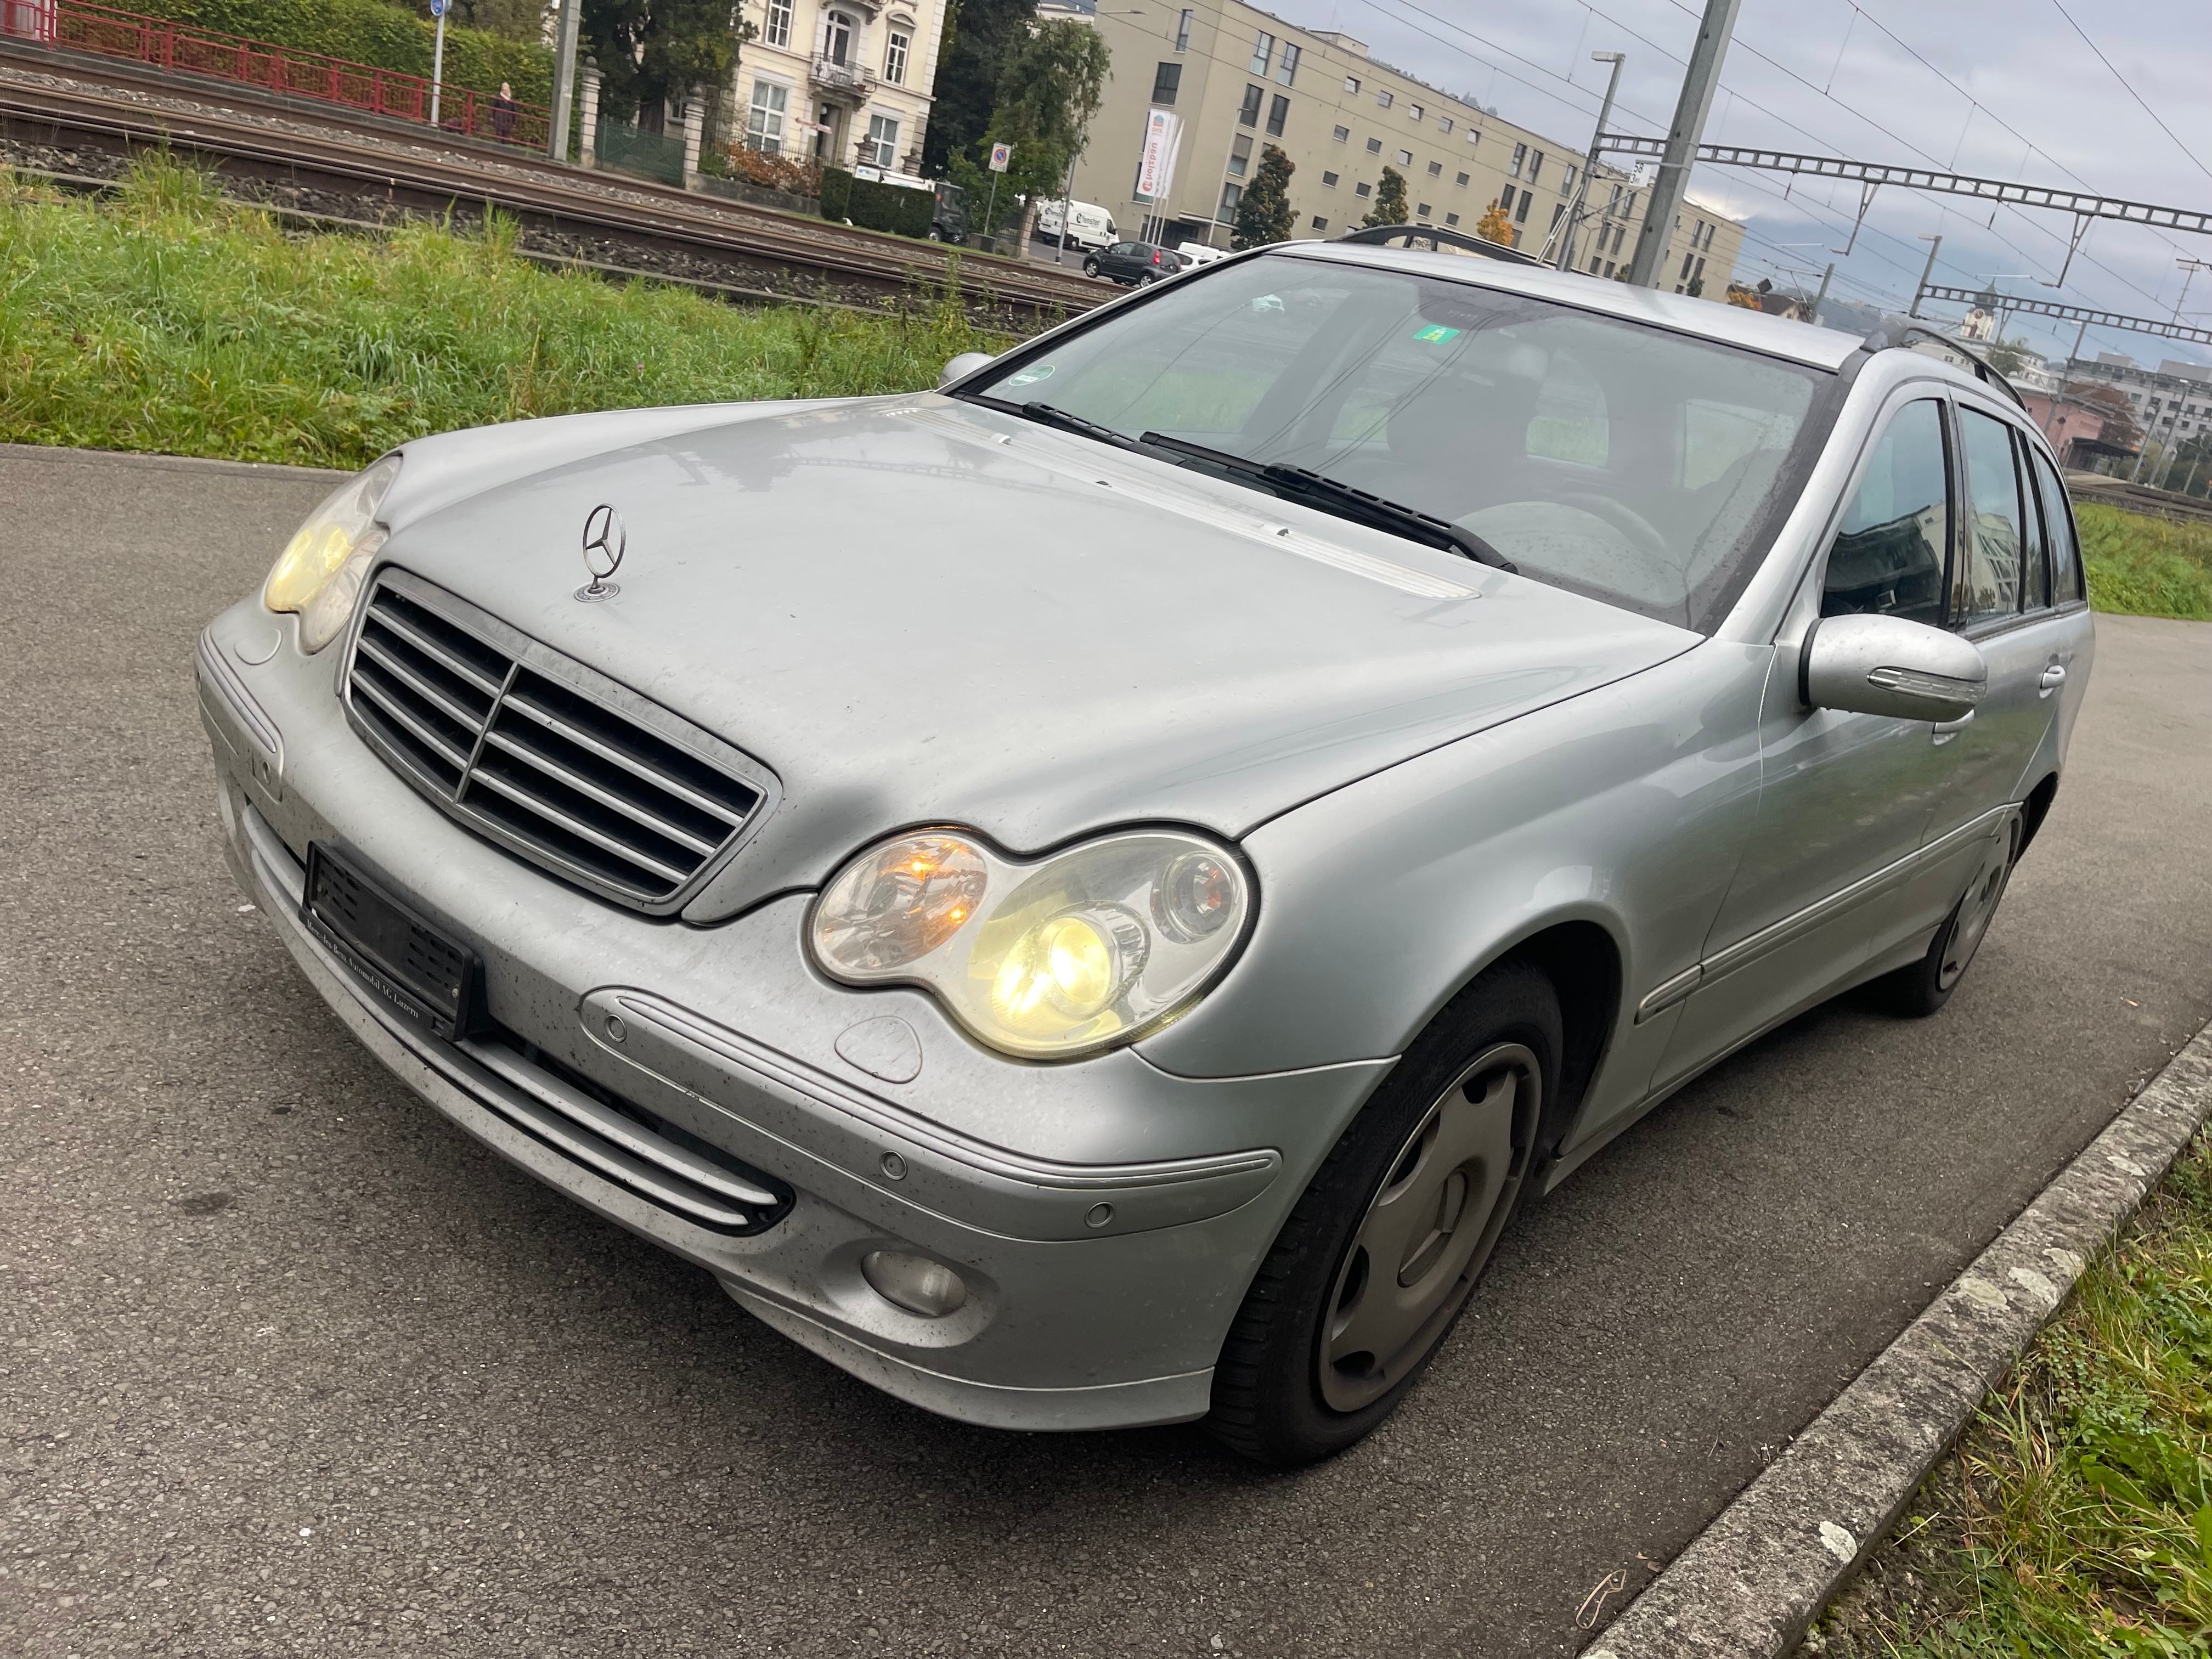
(1986, 582)
(1888, 555)
(2035, 584)
(2065, 546)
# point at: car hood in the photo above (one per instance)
(918, 611)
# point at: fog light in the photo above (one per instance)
(914, 1282)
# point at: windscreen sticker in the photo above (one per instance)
(1032, 375)
(1437, 334)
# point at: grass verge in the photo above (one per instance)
(167, 318)
(2146, 566)
(2075, 1519)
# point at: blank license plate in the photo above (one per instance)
(428, 977)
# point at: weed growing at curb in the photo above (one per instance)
(168, 319)
(2074, 1520)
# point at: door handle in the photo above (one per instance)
(1946, 730)
(2053, 677)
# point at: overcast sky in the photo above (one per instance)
(2009, 90)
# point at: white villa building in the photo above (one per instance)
(842, 81)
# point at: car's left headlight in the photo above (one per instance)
(320, 571)
(1050, 959)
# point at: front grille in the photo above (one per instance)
(535, 751)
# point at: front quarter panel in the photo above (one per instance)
(1626, 807)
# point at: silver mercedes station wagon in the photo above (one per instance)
(1090, 895)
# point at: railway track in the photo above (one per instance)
(297, 156)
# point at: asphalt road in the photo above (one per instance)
(289, 1366)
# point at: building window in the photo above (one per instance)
(1166, 77)
(1342, 134)
(1262, 50)
(1630, 199)
(1182, 30)
(837, 33)
(896, 49)
(1415, 112)
(1436, 169)
(1444, 122)
(779, 22)
(1363, 190)
(1277, 112)
(1320, 224)
(764, 124)
(881, 149)
(1248, 116)
(1474, 135)
(1558, 212)
(1374, 146)
(1383, 98)
(1451, 218)
(1608, 270)
(1405, 158)
(1329, 181)
(1505, 199)
(1460, 181)
(1520, 212)
(1287, 66)
(1685, 273)
(1536, 164)
(1422, 211)
(1612, 206)
(1520, 160)
(1567, 184)
(1698, 275)
(1351, 83)
(1594, 265)
(1240, 155)
(1619, 231)
(1230, 195)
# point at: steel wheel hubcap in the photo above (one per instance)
(1975, 910)
(1429, 1228)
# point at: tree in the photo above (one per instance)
(1495, 226)
(1391, 207)
(2008, 356)
(1263, 212)
(651, 52)
(973, 50)
(1049, 86)
(2119, 429)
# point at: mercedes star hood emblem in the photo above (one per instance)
(605, 541)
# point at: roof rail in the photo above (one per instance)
(1889, 335)
(1379, 235)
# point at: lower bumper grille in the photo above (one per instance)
(553, 761)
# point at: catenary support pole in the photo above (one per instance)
(1590, 161)
(1821, 298)
(1699, 82)
(438, 65)
(1935, 246)
(564, 77)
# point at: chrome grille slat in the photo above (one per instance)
(605, 798)
(542, 755)
(574, 825)
(435, 650)
(390, 708)
(520, 704)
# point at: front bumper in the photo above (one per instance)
(1105, 1216)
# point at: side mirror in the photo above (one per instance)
(962, 366)
(1887, 666)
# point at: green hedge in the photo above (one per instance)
(875, 206)
(375, 32)
(837, 193)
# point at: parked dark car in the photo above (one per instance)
(1134, 264)
(949, 222)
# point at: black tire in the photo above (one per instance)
(1091, 267)
(1147, 280)
(934, 234)
(1276, 1371)
(1919, 990)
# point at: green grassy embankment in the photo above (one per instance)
(2075, 1520)
(2147, 567)
(165, 319)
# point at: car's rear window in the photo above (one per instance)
(1624, 461)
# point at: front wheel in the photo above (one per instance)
(1924, 987)
(1378, 1258)
(1091, 267)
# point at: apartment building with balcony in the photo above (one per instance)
(847, 82)
(1239, 78)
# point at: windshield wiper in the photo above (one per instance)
(1047, 415)
(1332, 495)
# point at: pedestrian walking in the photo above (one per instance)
(502, 112)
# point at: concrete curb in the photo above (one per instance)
(161, 463)
(1753, 1581)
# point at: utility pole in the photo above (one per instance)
(1822, 299)
(1590, 161)
(1699, 82)
(564, 77)
(1935, 246)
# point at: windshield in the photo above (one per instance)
(1617, 460)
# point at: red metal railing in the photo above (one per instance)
(73, 26)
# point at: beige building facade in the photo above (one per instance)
(843, 82)
(1239, 79)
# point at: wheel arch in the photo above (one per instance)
(2036, 808)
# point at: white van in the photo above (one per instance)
(1089, 227)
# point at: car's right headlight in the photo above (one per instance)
(1052, 959)
(319, 573)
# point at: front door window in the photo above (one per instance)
(1887, 559)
